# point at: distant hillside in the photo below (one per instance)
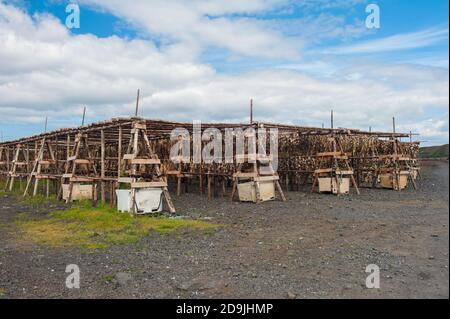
(434, 151)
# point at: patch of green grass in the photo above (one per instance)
(108, 278)
(2, 187)
(18, 188)
(100, 227)
(34, 201)
(38, 200)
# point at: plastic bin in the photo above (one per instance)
(148, 200)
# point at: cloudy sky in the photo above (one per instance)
(205, 59)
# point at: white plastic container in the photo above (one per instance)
(148, 200)
(123, 200)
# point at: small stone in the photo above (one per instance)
(291, 295)
(348, 286)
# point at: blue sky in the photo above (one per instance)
(205, 60)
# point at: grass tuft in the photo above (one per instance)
(35, 201)
(38, 200)
(100, 227)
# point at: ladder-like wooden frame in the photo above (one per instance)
(12, 174)
(4, 163)
(337, 154)
(255, 176)
(39, 161)
(397, 162)
(136, 157)
(71, 166)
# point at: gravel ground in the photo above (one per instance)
(312, 246)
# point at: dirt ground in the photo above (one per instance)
(312, 246)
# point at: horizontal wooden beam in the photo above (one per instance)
(148, 185)
(146, 161)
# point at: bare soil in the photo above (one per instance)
(312, 246)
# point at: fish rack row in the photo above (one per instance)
(135, 152)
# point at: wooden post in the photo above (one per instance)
(332, 119)
(216, 185)
(393, 125)
(84, 115)
(111, 195)
(200, 181)
(68, 146)
(7, 159)
(209, 184)
(102, 166)
(119, 153)
(47, 188)
(251, 111)
(137, 103)
(28, 158)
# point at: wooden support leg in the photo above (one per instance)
(25, 193)
(338, 185)
(7, 183)
(278, 186)
(111, 195)
(233, 192)
(69, 197)
(355, 185)
(102, 192)
(375, 179)
(224, 190)
(397, 178)
(216, 186)
(209, 185)
(257, 193)
(168, 200)
(133, 209)
(419, 174)
(413, 182)
(314, 184)
(178, 185)
(94, 195)
(36, 184)
(11, 183)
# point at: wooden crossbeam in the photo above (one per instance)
(146, 161)
(148, 184)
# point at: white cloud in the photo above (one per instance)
(432, 131)
(54, 73)
(396, 42)
(206, 23)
